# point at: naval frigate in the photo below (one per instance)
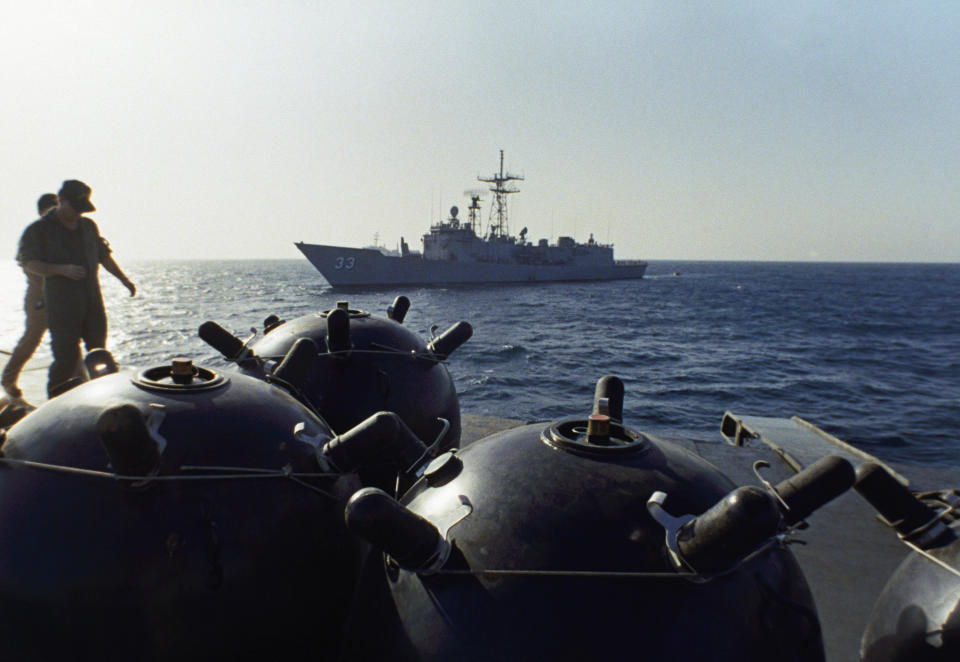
(459, 252)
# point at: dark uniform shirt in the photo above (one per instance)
(48, 240)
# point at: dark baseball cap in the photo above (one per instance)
(77, 194)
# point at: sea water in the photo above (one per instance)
(869, 352)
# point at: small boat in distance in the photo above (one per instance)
(454, 253)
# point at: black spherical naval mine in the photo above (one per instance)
(353, 364)
(557, 541)
(917, 616)
(173, 514)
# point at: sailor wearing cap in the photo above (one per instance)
(66, 249)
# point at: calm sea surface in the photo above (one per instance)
(869, 352)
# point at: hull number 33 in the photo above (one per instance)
(344, 262)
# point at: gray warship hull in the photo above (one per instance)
(344, 267)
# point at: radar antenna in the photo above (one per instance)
(498, 212)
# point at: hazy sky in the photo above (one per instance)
(731, 130)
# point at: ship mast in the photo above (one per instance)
(474, 212)
(499, 226)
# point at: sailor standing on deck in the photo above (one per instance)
(36, 323)
(66, 249)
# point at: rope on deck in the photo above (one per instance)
(213, 473)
